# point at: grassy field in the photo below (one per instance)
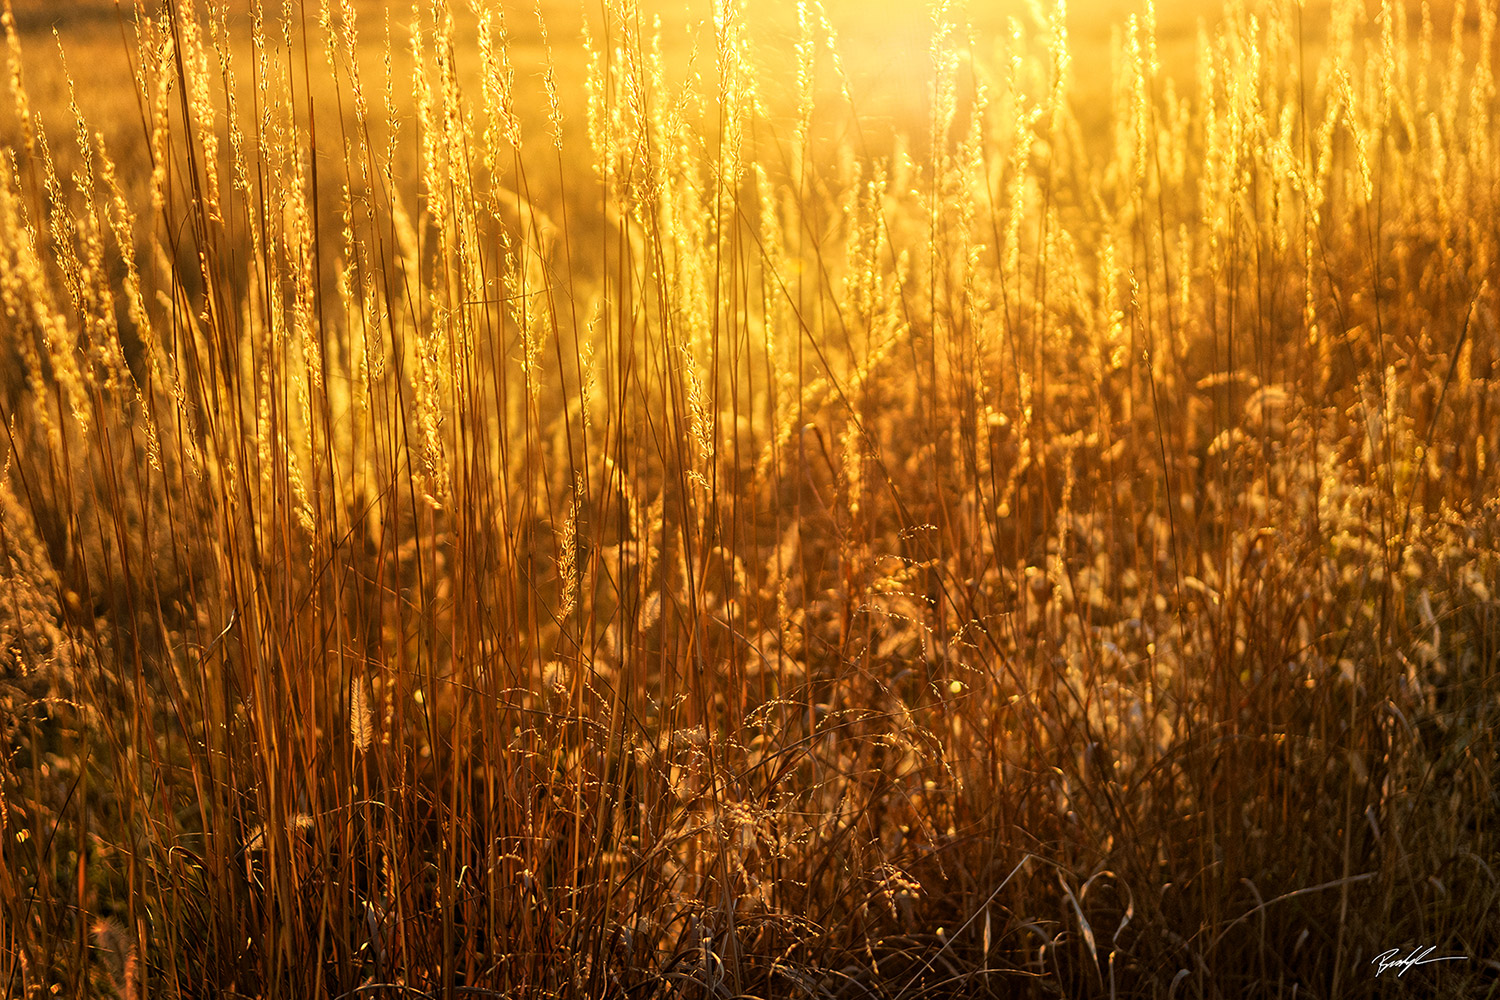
(749, 501)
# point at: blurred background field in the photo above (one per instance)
(884, 43)
(883, 46)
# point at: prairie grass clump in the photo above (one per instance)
(496, 510)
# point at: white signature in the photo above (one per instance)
(1419, 956)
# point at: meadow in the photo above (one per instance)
(749, 500)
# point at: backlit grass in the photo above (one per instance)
(629, 513)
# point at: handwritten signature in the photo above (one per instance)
(1392, 959)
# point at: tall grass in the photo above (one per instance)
(462, 536)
